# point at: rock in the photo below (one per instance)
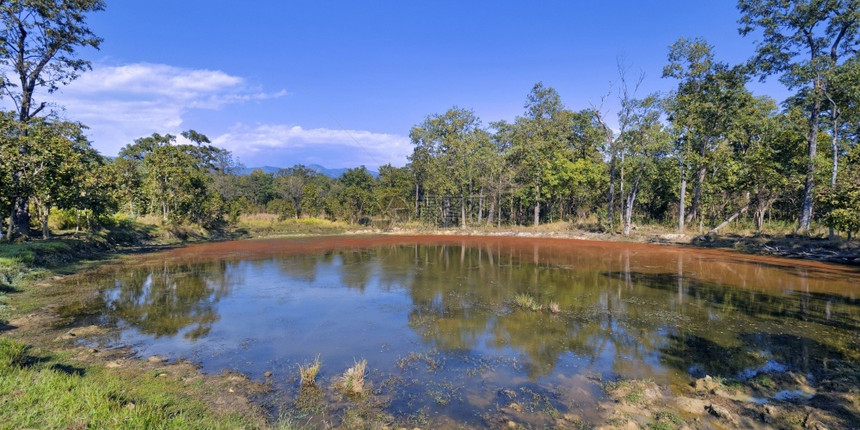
(692, 406)
(516, 406)
(512, 425)
(130, 405)
(113, 364)
(721, 412)
(156, 359)
(268, 374)
(706, 384)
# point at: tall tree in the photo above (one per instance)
(804, 40)
(447, 149)
(700, 110)
(40, 40)
(290, 185)
(537, 142)
(643, 143)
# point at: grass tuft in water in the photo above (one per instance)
(554, 307)
(352, 381)
(526, 301)
(308, 372)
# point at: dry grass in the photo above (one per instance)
(554, 307)
(308, 372)
(269, 224)
(352, 381)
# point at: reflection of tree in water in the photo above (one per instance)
(164, 300)
(630, 321)
(462, 293)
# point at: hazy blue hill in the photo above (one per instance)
(332, 173)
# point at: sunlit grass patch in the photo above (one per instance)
(308, 372)
(527, 301)
(352, 381)
(49, 391)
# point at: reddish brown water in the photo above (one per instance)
(438, 321)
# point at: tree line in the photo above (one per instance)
(705, 154)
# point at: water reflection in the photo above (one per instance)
(168, 299)
(626, 310)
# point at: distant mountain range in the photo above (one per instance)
(331, 173)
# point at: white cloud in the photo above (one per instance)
(121, 103)
(284, 145)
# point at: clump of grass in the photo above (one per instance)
(308, 372)
(666, 420)
(352, 381)
(526, 301)
(554, 307)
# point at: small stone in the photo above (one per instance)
(516, 406)
(721, 412)
(130, 405)
(268, 374)
(512, 425)
(706, 384)
(156, 359)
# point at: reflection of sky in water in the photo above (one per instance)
(620, 317)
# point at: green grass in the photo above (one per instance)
(526, 301)
(666, 420)
(45, 391)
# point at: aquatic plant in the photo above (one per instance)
(554, 307)
(308, 372)
(526, 301)
(352, 381)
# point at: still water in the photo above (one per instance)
(437, 321)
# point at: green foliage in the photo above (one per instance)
(841, 203)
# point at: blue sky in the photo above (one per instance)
(341, 83)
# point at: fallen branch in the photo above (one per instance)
(731, 218)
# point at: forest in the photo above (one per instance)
(707, 153)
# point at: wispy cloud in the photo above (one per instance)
(285, 145)
(121, 103)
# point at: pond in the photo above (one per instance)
(456, 329)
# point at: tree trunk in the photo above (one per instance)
(834, 145)
(809, 185)
(681, 203)
(491, 213)
(759, 217)
(628, 207)
(621, 191)
(697, 195)
(462, 211)
(416, 199)
(164, 209)
(537, 205)
(46, 212)
(611, 214)
(481, 205)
